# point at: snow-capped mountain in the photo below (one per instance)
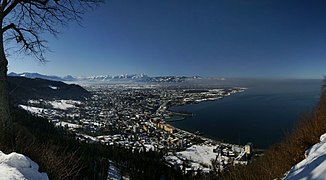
(69, 78)
(124, 77)
(135, 78)
(108, 78)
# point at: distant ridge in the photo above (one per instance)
(36, 75)
(23, 89)
(108, 78)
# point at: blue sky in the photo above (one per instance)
(231, 38)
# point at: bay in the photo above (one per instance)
(263, 114)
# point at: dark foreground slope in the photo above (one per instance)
(58, 152)
(61, 156)
(22, 89)
(279, 158)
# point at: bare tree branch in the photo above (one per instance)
(26, 20)
(3, 5)
(9, 9)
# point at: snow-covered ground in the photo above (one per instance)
(114, 173)
(201, 154)
(64, 104)
(197, 156)
(67, 124)
(33, 110)
(55, 104)
(16, 166)
(313, 166)
(53, 87)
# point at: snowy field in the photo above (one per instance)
(201, 157)
(313, 166)
(63, 104)
(31, 109)
(16, 166)
(197, 156)
(56, 104)
(69, 125)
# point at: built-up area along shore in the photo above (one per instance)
(133, 117)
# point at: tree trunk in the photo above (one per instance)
(5, 118)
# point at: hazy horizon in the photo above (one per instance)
(213, 77)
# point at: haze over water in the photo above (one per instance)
(262, 114)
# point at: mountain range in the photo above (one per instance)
(107, 78)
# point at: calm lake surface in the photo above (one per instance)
(263, 114)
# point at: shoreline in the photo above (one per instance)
(165, 108)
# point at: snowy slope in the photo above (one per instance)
(202, 154)
(33, 110)
(313, 166)
(17, 166)
(63, 104)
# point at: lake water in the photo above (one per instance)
(263, 114)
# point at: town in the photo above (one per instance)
(136, 116)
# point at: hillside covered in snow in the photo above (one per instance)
(313, 166)
(17, 166)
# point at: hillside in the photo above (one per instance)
(62, 156)
(313, 166)
(22, 89)
(36, 76)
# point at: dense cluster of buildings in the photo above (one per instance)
(133, 116)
